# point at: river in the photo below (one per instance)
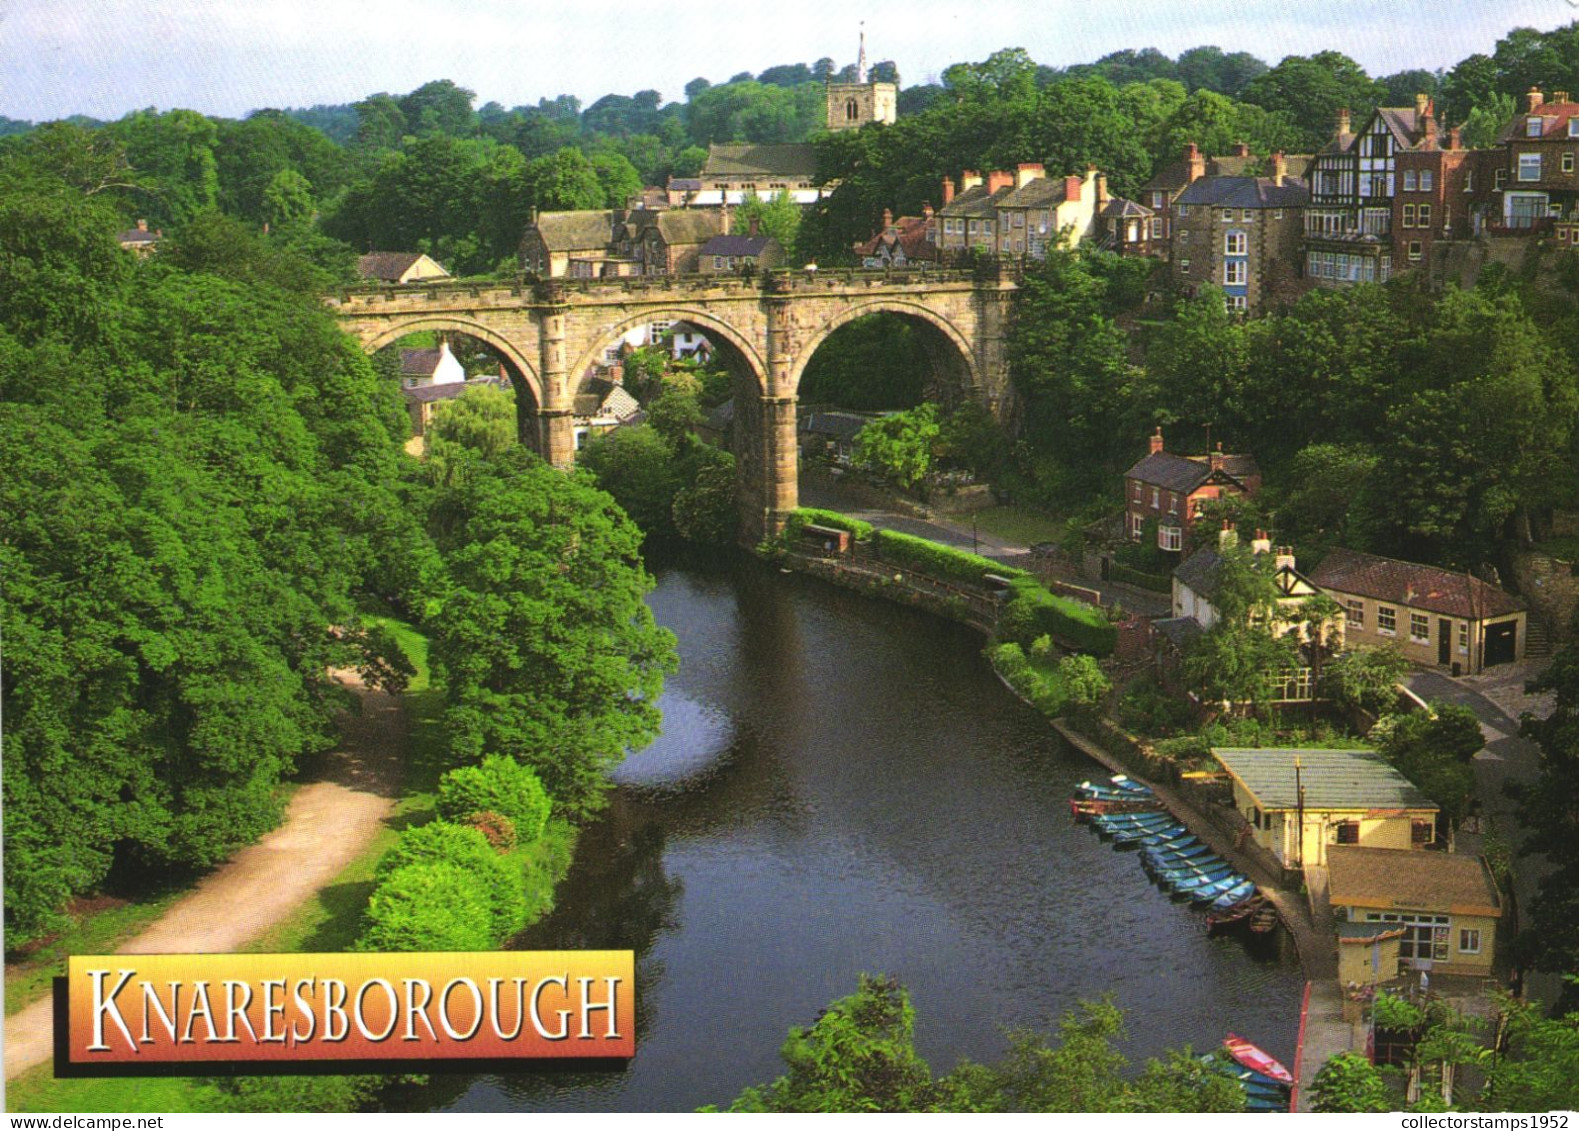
(842, 785)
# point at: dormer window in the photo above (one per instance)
(1532, 127)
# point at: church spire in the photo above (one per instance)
(860, 59)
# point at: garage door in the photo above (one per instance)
(1501, 642)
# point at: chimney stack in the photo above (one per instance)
(948, 191)
(1421, 102)
(1227, 537)
(1215, 458)
(1279, 167)
(1559, 96)
(1536, 99)
(1102, 196)
(1431, 140)
(1261, 544)
(968, 180)
(1025, 174)
(723, 211)
(1343, 122)
(888, 218)
(1071, 188)
(1156, 440)
(1455, 138)
(999, 179)
(142, 225)
(1285, 558)
(926, 210)
(753, 225)
(1197, 163)
(1241, 150)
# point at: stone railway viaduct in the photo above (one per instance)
(765, 329)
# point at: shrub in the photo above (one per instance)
(502, 785)
(498, 828)
(493, 877)
(428, 907)
(1084, 681)
(1044, 690)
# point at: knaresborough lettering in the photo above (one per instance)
(197, 1008)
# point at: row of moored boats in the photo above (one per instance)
(1130, 814)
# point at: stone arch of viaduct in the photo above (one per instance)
(766, 330)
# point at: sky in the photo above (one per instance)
(104, 58)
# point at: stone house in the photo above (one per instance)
(1446, 905)
(568, 244)
(734, 172)
(902, 242)
(139, 239)
(1300, 802)
(1195, 580)
(438, 366)
(1159, 193)
(1241, 235)
(397, 267)
(1171, 488)
(1534, 178)
(968, 220)
(422, 400)
(1433, 616)
(730, 254)
(1042, 214)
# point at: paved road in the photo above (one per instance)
(327, 823)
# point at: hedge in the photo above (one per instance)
(940, 561)
(802, 517)
(496, 879)
(1032, 611)
(1141, 580)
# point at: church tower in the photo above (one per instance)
(852, 104)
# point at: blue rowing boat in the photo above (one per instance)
(1234, 896)
(1133, 838)
(1169, 839)
(1208, 892)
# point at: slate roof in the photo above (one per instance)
(428, 393)
(909, 232)
(1181, 632)
(1399, 877)
(797, 162)
(843, 425)
(1043, 192)
(387, 266)
(689, 225)
(977, 202)
(138, 235)
(1404, 122)
(1412, 585)
(1332, 779)
(1176, 174)
(1117, 208)
(420, 363)
(1185, 473)
(1199, 572)
(585, 230)
(753, 246)
(1245, 192)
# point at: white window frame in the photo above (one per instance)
(1533, 126)
(1427, 180)
(1467, 935)
(1386, 614)
(1237, 303)
(1423, 216)
(1354, 614)
(1136, 523)
(1419, 628)
(1463, 638)
(1529, 163)
(1568, 163)
(1246, 216)
(1410, 180)
(1184, 210)
(1236, 242)
(1156, 499)
(1184, 266)
(1236, 273)
(1228, 215)
(1416, 251)
(1409, 216)
(1170, 538)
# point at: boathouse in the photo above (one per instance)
(1335, 796)
(1446, 905)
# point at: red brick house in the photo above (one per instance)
(1170, 488)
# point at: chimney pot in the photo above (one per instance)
(1455, 138)
(142, 225)
(1156, 440)
(1559, 96)
(1227, 537)
(999, 179)
(1196, 162)
(1343, 121)
(888, 218)
(948, 191)
(1536, 98)
(926, 210)
(968, 180)
(1071, 188)
(1026, 173)
(1261, 544)
(1421, 102)
(1279, 167)
(1241, 150)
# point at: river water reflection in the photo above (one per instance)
(843, 786)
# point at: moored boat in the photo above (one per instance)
(1083, 808)
(1257, 1059)
(1205, 893)
(1265, 919)
(1133, 837)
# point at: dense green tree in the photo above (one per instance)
(433, 906)
(1366, 677)
(547, 652)
(638, 466)
(1311, 90)
(1348, 1082)
(439, 107)
(777, 216)
(565, 181)
(900, 445)
(873, 363)
(380, 123)
(481, 422)
(173, 157)
(1434, 751)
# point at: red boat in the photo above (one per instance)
(1083, 808)
(1256, 1059)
